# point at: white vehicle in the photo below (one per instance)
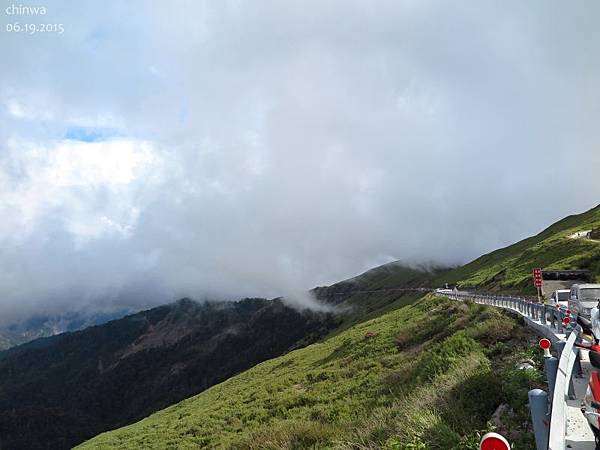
(583, 298)
(560, 296)
(444, 291)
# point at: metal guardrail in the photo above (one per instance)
(558, 418)
(553, 318)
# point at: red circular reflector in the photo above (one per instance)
(493, 441)
(557, 306)
(568, 311)
(545, 343)
(567, 320)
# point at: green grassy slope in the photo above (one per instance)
(351, 391)
(509, 269)
(413, 376)
(377, 291)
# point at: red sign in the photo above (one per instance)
(493, 441)
(545, 344)
(537, 278)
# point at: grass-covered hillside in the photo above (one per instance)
(506, 270)
(428, 375)
(377, 291)
(509, 269)
(59, 391)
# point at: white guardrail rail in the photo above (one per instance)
(562, 323)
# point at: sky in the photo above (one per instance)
(224, 149)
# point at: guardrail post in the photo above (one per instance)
(538, 403)
(543, 314)
(559, 324)
(551, 367)
(577, 366)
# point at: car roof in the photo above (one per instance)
(586, 286)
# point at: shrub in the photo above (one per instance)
(440, 358)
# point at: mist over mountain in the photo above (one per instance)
(261, 149)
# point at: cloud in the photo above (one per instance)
(156, 150)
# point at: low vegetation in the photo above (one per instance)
(428, 375)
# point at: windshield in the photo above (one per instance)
(590, 294)
(563, 296)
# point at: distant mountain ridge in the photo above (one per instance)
(39, 326)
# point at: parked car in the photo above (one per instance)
(583, 297)
(560, 296)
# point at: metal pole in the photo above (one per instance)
(543, 314)
(551, 367)
(538, 403)
(577, 367)
(559, 325)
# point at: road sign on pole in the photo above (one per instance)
(537, 281)
(537, 278)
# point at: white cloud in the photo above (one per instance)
(70, 178)
(274, 146)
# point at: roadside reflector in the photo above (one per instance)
(545, 345)
(567, 320)
(493, 441)
(569, 312)
(557, 306)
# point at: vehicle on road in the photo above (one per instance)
(444, 291)
(560, 296)
(583, 297)
(591, 401)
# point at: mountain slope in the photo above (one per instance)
(370, 386)
(378, 290)
(315, 395)
(509, 269)
(56, 392)
(154, 350)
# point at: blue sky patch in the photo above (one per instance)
(89, 134)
